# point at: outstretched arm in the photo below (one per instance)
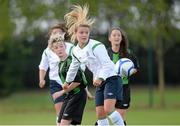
(73, 69)
(66, 90)
(42, 74)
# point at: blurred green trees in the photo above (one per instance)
(151, 24)
(23, 25)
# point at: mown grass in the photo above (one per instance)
(36, 108)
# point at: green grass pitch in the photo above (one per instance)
(36, 108)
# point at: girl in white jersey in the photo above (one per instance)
(51, 60)
(94, 55)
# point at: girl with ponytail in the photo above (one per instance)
(94, 55)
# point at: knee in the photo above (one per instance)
(109, 106)
(108, 110)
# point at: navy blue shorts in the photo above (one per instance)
(55, 87)
(111, 88)
(125, 103)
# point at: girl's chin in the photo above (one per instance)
(116, 43)
(60, 55)
(84, 41)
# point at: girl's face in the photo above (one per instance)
(115, 37)
(56, 30)
(82, 34)
(59, 48)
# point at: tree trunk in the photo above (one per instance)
(161, 81)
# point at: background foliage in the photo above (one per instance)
(152, 28)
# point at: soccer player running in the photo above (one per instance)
(119, 49)
(50, 61)
(75, 100)
(94, 55)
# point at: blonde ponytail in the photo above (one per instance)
(77, 17)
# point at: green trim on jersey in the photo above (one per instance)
(84, 44)
(94, 46)
(115, 57)
(76, 90)
(70, 50)
(125, 80)
(84, 77)
(60, 74)
(63, 68)
(82, 72)
(76, 58)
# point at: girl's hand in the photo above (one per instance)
(65, 86)
(42, 83)
(134, 71)
(89, 95)
(97, 82)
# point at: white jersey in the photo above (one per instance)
(94, 55)
(51, 60)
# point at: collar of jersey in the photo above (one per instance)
(84, 45)
(113, 51)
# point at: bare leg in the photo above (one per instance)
(115, 117)
(65, 122)
(101, 115)
(122, 112)
(57, 107)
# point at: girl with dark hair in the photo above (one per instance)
(119, 49)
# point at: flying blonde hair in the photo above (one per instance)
(77, 17)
